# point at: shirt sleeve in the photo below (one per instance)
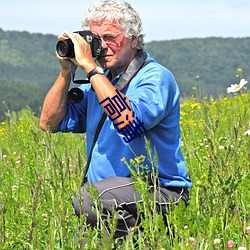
(155, 95)
(75, 118)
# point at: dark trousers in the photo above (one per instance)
(119, 194)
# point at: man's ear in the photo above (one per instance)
(134, 42)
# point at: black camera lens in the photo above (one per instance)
(75, 95)
(65, 48)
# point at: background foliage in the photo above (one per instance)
(28, 66)
(210, 62)
(40, 172)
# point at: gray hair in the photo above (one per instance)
(120, 13)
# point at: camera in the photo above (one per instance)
(75, 95)
(65, 48)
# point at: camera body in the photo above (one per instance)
(65, 48)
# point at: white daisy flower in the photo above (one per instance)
(237, 87)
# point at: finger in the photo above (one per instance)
(69, 60)
(66, 33)
(70, 34)
(59, 57)
(62, 36)
(75, 37)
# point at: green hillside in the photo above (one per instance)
(28, 57)
(210, 63)
(28, 66)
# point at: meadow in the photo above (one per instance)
(40, 172)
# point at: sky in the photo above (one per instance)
(162, 19)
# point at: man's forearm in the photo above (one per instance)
(55, 103)
(104, 89)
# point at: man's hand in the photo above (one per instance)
(83, 54)
(66, 63)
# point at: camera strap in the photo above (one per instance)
(136, 64)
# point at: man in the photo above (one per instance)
(141, 100)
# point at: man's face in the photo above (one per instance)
(118, 50)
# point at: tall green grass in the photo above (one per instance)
(40, 172)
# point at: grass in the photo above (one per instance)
(40, 172)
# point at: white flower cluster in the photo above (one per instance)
(237, 87)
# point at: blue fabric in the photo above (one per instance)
(154, 97)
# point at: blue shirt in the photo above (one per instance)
(154, 96)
